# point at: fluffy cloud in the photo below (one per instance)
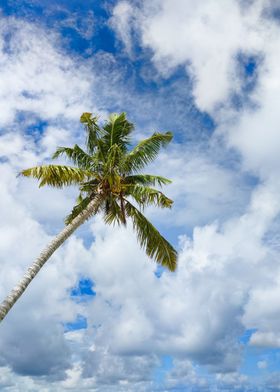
(212, 61)
(256, 133)
(204, 190)
(243, 247)
(181, 33)
(228, 274)
(47, 84)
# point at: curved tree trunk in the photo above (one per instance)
(32, 271)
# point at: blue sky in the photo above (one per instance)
(100, 315)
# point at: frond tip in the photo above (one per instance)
(117, 131)
(56, 175)
(76, 155)
(156, 247)
(77, 209)
(147, 179)
(93, 131)
(146, 151)
(146, 196)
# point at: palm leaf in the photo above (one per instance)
(82, 204)
(151, 240)
(76, 154)
(113, 159)
(146, 151)
(94, 132)
(57, 175)
(89, 186)
(146, 179)
(146, 196)
(113, 212)
(77, 209)
(117, 131)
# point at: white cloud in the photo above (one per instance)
(232, 380)
(47, 83)
(180, 33)
(256, 133)
(193, 35)
(265, 339)
(183, 372)
(122, 19)
(228, 274)
(203, 189)
(236, 259)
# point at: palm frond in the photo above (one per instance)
(146, 151)
(82, 204)
(76, 154)
(57, 175)
(77, 209)
(146, 196)
(114, 159)
(89, 186)
(146, 179)
(117, 131)
(94, 132)
(113, 212)
(151, 240)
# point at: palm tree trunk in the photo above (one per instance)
(32, 271)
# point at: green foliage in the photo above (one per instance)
(76, 155)
(113, 212)
(93, 131)
(146, 151)
(117, 131)
(151, 240)
(82, 203)
(108, 173)
(57, 175)
(146, 196)
(147, 179)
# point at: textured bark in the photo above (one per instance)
(33, 270)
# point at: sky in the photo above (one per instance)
(101, 316)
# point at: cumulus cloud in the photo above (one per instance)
(194, 36)
(47, 83)
(204, 189)
(256, 133)
(181, 33)
(228, 274)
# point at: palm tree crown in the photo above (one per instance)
(109, 174)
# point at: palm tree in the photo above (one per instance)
(109, 178)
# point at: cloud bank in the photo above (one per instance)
(226, 193)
